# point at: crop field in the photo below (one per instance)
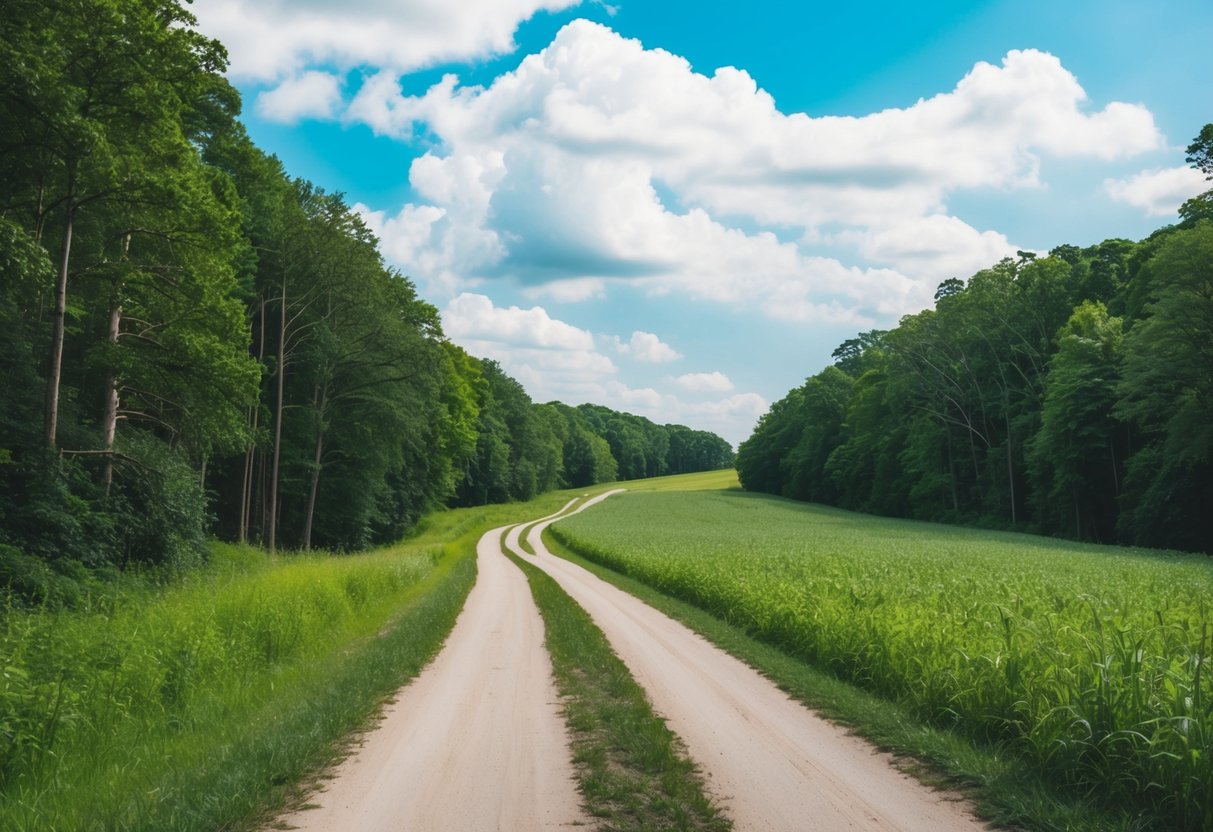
(1089, 663)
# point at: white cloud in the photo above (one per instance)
(936, 246)
(715, 382)
(1158, 192)
(647, 348)
(553, 176)
(474, 317)
(308, 95)
(272, 39)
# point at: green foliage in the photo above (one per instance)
(1166, 392)
(1087, 663)
(214, 327)
(1066, 394)
(89, 695)
(1200, 152)
(1075, 455)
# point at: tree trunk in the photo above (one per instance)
(246, 484)
(1010, 455)
(246, 481)
(51, 417)
(273, 524)
(109, 418)
(319, 401)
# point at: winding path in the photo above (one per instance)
(477, 741)
(773, 764)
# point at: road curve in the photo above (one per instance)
(476, 742)
(773, 764)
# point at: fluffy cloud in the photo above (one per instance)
(309, 95)
(271, 39)
(716, 382)
(936, 246)
(559, 173)
(471, 316)
(647, 348)
(1158, 192)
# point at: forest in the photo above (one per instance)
(1069, 394)
(194, 343)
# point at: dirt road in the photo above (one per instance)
(476, 742)
(773, 764)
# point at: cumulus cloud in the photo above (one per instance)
(1158, 192)
(308, 95)
(471, 316)
(715, 382)
(554, 176)
(269, 40)
(936, 246)
(647, 348)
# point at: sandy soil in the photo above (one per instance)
(773, 764)
(476, 742)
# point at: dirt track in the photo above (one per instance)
(772, 764)
(477, 741)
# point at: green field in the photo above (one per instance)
(1087, 663)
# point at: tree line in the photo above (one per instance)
(1070, 394)
(193, 342)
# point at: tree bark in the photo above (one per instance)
(1010, 455)
(273, 525)
(319, 400)
(109, 418)
(246, 482)
(51, 416)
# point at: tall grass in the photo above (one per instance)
(1090, 663)
(197, 706)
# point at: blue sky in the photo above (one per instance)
(592, 200)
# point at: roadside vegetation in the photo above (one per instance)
(1085, 667)
(202, 704)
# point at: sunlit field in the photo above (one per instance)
(1089, 662)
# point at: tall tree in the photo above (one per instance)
(1166, 390)
(1077, 457)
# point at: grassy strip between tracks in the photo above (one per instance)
(999, 786)
(205, 704)
(634, 775)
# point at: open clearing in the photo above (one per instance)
(477, 742)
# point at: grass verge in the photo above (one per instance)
(633, 774)
(202, 705)
(1001, 788)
